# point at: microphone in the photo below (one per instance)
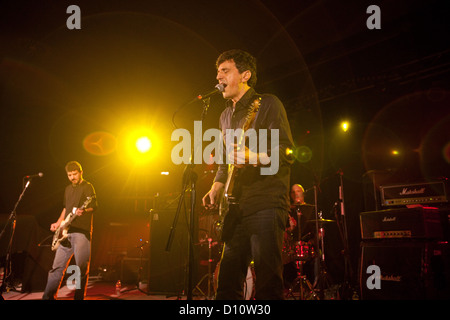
(220, 87)
(40, 175)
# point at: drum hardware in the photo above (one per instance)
(303, 252)
(209, 276)
(305, 289)
(321, 232)
(322, 280)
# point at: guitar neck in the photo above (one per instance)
(71, 217)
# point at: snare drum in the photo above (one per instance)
(297, 251)
(303, 251)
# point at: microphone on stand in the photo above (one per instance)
(40, 175)
(220, 87)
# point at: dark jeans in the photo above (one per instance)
(257, 237)
(79, 247)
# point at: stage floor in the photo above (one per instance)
(100, 290)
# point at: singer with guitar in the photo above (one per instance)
(79, 201)
(257, 207)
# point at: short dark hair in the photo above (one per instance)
(244, 61)
(73, 166)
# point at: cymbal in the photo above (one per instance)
(302, 205)
(321, 220)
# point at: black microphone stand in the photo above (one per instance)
(342, 226)
(12, 219)
(189, 179)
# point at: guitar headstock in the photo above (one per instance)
(251, 113)
(87, 201)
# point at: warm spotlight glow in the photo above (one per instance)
(165, 173)
(345, 126)
(139, 146)
(143, 144)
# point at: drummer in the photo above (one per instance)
(298, 205)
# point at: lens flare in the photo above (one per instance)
(100, 143)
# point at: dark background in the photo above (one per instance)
(134, 63)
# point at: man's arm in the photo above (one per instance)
(55, 225)
(211, 199)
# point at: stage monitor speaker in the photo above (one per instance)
(168, 269)
(410, 270)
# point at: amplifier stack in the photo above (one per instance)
(409, 246)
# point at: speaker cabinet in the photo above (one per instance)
(409, 270)
(167, 269)
(133, 270)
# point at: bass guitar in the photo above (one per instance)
(62, 232)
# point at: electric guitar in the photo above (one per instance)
(228, 198)
(61, 233)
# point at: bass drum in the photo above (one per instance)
(249, 283)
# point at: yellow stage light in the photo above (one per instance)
(139, 146)
(143, 144)
(345, 126)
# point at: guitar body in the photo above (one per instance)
(228, 206)
(62, 232)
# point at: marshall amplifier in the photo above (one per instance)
(414, 223)
(408, 270)
(417, 193)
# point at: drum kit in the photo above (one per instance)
(299, 248)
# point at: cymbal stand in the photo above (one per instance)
(209, 276)
(305, 289)
(301, 279)
(322, 277)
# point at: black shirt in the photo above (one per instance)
(74, 197)
(256, 191)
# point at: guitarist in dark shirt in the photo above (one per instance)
(78, 242)
(254, 225)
